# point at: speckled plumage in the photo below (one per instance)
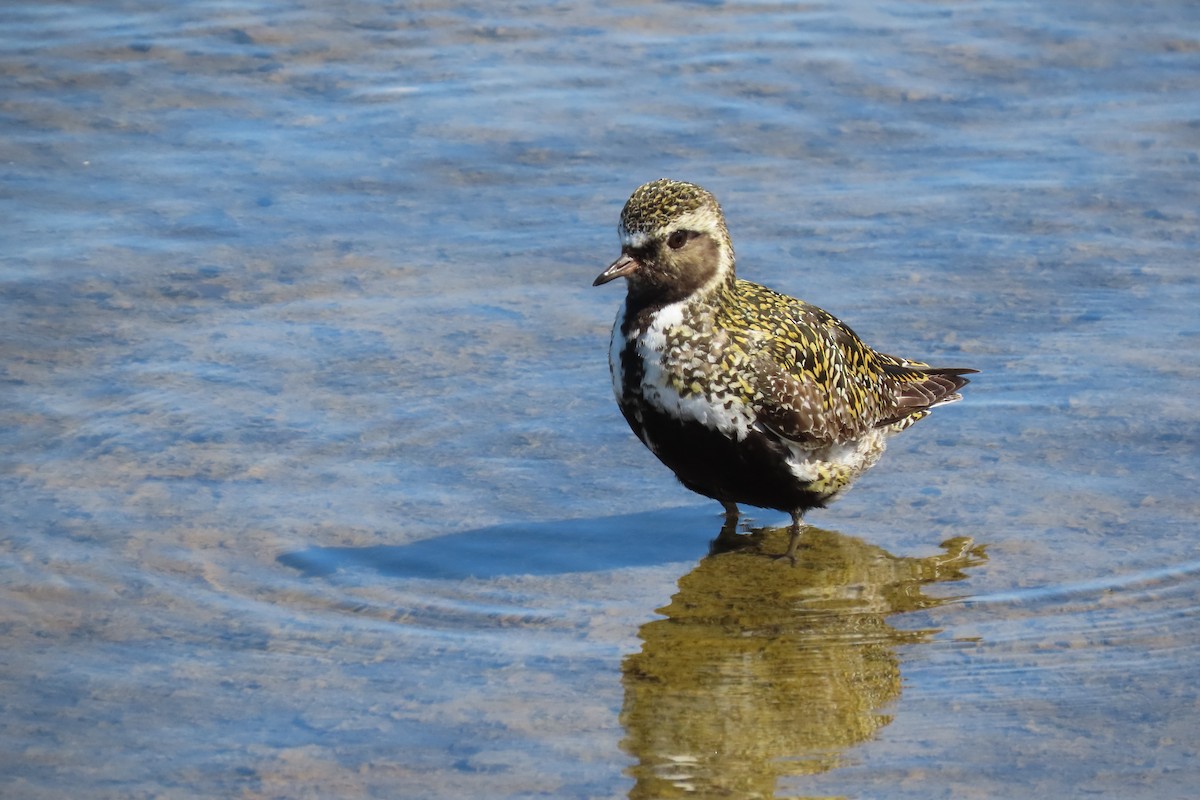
(748, 395)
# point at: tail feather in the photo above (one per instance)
(921, 388)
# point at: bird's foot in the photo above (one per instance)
(797, 530)
(728, 539)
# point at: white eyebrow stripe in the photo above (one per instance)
(703, 220)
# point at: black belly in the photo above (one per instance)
(751, 471)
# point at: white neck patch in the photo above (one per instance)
(658, 386)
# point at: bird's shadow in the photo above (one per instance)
(535, 548)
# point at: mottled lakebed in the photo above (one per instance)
(313, 481)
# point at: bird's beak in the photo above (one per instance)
(623, 266)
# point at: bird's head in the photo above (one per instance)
(674, 243)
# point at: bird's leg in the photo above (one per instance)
(794, 542)
(728, 538)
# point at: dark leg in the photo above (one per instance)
(796, 529)
(728, 539)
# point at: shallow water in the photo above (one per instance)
(314, 485)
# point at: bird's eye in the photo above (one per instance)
(677, 240)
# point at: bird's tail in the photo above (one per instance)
(922, 388)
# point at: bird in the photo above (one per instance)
(748, 395)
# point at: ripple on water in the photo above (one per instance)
(1068, 638)
(296, 311)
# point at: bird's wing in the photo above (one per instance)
(818, 382)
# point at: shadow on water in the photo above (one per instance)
(542, 548)
(760, 671)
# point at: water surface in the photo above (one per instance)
(314, 485)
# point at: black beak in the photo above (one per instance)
(623, 266)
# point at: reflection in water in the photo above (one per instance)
(761, 670)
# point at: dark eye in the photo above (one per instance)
(677, 240)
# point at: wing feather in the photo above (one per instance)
(816, 381)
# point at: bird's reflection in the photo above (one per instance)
(761, 670)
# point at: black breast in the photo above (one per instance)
(751, 471)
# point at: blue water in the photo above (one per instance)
(314, 485)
